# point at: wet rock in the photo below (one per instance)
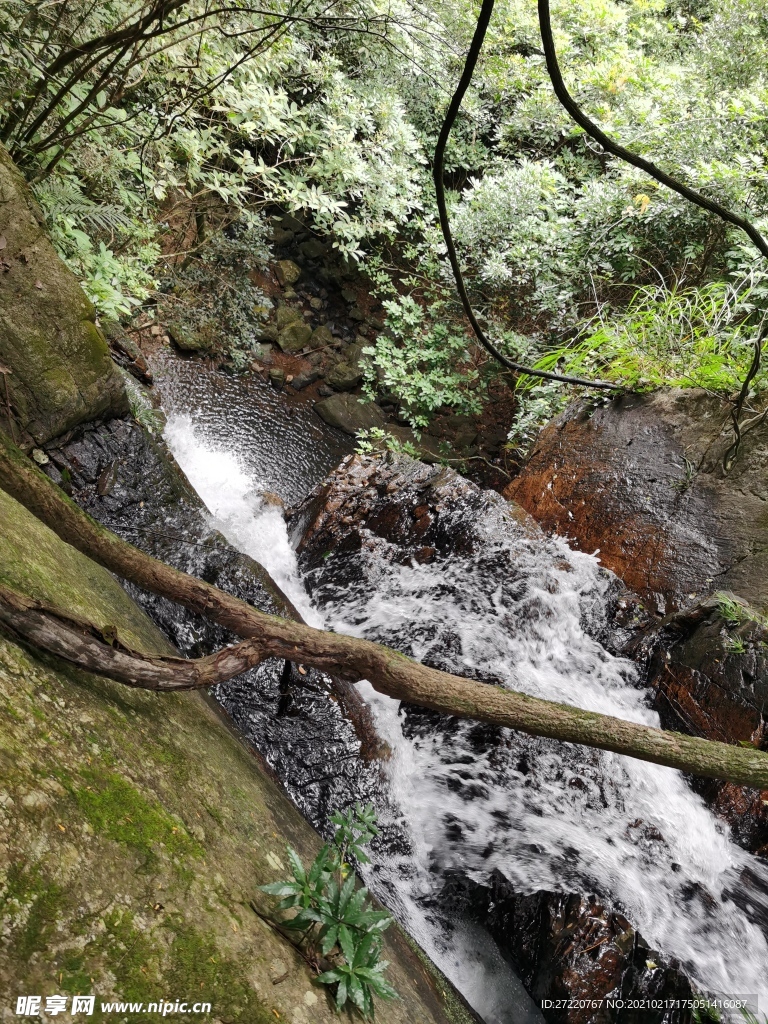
(322, 337)
(423, 510)
(188, 340)
(708, 666)
(135, 858)
(294, 337)
(276, 377)
(349, 414)
(126, 352)
(641, 479)
(574, 951)
(287, 272)
(344, 377)
(303, 380)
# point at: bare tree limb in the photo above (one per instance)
(389, 671)
(610, 146)
(438, 174)
(739, 429)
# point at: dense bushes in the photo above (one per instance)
(148, 128)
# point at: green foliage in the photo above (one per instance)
(335, 917)
(750, 1017)
(694, 337)
(423, 360)
(733, 612)
(378, 440)
(586, 263)
(535, 406)
(212, 297)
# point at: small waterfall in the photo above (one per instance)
(547, 815)
(239, 510)
(544, 814)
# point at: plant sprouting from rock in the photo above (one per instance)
(334, 918)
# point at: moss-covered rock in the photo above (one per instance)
(135, 829)
(61, 370)
(35, 562)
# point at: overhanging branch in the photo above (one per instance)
(610, 146)
(438, 174)
(387, 670)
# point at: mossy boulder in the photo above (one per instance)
(349, 414)
(61, 373)
(344, 377)
(294, 337)
(287, 272)
(136, 829)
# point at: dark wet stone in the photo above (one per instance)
(574, 951)
(641, 479)
(708, 667)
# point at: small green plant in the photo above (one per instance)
(706, 1015)
(335, 918)
(731, 611)
(734, 645)
(369, 442)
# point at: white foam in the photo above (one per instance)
(570, 822)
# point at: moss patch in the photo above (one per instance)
(30, 903)
(115, 809)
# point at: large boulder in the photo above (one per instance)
(708, 667)
(349, 414)
(137, 828)
(642, 479)
(61, 373)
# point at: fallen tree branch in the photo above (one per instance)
(85, 645)
(387, 670)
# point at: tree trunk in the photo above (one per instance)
(387, 670)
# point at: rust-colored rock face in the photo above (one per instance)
(708, 667)
(641, 479)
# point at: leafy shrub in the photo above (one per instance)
(335, 917)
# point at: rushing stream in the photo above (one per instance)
(523, 613)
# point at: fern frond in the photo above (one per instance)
(64, 197)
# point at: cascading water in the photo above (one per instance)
(523, 613)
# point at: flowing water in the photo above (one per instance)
(523, 613)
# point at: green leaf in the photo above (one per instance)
(329, 977)
(347, 944)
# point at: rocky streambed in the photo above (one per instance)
(587, 874)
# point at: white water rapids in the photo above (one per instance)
(582, 821)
